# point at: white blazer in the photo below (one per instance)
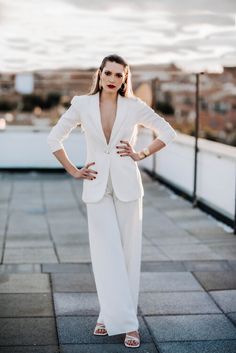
(125, 174)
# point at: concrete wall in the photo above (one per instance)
(25, 147)
(216, 178)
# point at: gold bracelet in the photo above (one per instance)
(144, 153)
(141, 155)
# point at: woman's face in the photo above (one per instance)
(112, 76)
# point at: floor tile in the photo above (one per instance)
(30, 255)
(226, 299)
(20, 268)
(162, 266)
(66, 268)
(27, 331)
(191, 327)
(79, 253)
(217, 279)
(106, 348)
(24, 283)
(168, 281)
(207, 265)
(76, 304)
(27, 304)
(177, 303)
(30, 349)
(225, 346)
(73, 282)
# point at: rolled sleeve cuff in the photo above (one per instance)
(54, 145)
(168, 137)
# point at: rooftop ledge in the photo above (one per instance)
(216, 148)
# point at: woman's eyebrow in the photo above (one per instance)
(115, 72)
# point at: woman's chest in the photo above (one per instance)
(108, 125)
(107, 120)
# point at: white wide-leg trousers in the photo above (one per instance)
(115, 237)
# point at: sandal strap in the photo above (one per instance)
(132, 338)
(100, 325)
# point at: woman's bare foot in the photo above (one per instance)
(129, 342)
(100, 329)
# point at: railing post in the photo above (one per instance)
(235, 207)
(153, 86)
(196, 133)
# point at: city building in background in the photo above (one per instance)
(50, 92)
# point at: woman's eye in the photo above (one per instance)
(108, 73)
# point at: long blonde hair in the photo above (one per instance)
(126, 87)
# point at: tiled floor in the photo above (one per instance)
(48, 299)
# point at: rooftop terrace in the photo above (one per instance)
(48, 300)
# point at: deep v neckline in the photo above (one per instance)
(100, 119)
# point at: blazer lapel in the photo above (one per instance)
(120, 118)
(96, 117)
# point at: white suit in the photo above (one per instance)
(114, 201)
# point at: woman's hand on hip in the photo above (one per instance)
(85, 172)
(127, 150)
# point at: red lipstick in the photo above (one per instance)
(111, 86)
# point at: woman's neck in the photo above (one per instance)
(106, 96)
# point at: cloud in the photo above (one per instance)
(45, 34)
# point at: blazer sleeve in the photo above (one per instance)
(67, 122)
(150, 119)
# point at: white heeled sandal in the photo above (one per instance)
(100, 327)
(130, 338)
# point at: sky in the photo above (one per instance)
(51, 34)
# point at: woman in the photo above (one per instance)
(112, 188)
